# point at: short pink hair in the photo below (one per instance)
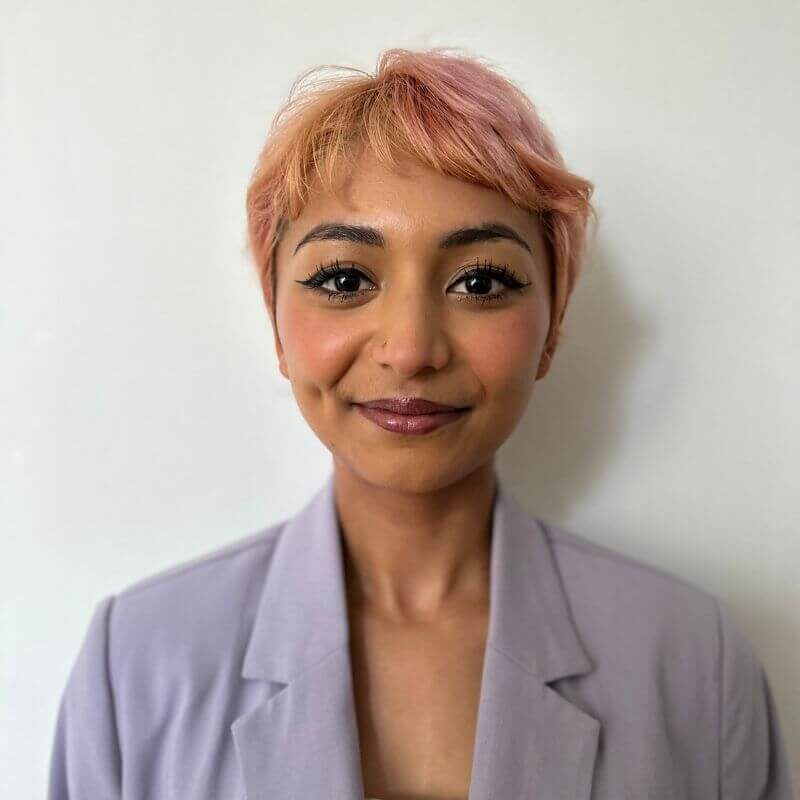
(448, 111)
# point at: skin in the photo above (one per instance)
(414, 511)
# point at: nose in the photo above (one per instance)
(411, 336)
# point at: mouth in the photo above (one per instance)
(410, 415)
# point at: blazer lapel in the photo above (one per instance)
(301, 740)
(531, 743)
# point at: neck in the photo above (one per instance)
(410, 555)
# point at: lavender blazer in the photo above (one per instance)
(229, 678)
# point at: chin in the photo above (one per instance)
(406, 473)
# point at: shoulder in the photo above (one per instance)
(618, 574)
(192, 617)
(628, 609)
(208, 574)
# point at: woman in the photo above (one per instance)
(413, 632)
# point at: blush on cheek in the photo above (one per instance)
(506, 352)
(316, 346)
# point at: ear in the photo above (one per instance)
(544, 363)
(550, 344)
(278, 347)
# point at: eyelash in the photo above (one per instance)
(324, 272)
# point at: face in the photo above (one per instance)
(404, 311)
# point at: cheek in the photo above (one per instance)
(316, 347)
(505, 352)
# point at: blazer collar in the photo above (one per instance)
(303, 742)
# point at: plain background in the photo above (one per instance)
(143, 418)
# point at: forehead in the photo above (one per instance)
(412, 204)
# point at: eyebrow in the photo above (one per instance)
(366, 234)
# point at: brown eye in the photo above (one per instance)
(345, 280)
(478, 282)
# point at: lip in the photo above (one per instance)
(415, 424)
(409, 405)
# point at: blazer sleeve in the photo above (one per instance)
(85, 761)
(753, 760)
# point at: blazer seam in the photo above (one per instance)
(597, 550)
(515, 661)
(111, 691)
(720, 678)
(262, 538)
(314, 664)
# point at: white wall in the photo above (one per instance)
(141, 411)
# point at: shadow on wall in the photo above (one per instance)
(570, 429)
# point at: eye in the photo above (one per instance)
(345, 281)
(477, 278)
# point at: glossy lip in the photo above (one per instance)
(409, 406)
(414, 424)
